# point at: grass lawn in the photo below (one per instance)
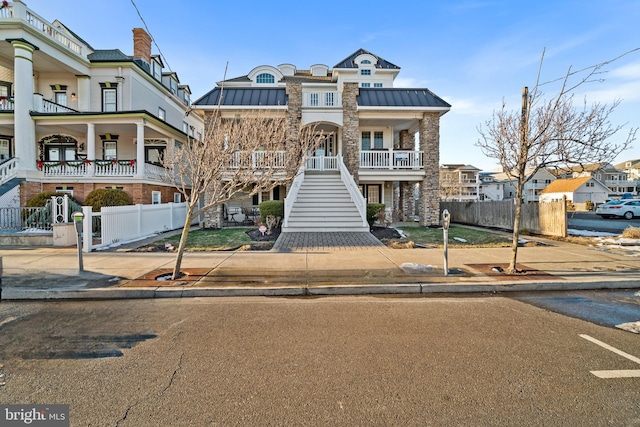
(472, 237)
(213, 240)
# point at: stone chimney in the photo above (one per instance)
(141, 44)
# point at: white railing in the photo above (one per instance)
(259, 159)
(620, 182)
(6, 104)
(321, 99)
(42, 105)
(356, 196)
(64, 168)
(120, 224)
(322, 163)
(8, 170)
(390, 159)
(292, 195)
(114, 167)
(48, 29)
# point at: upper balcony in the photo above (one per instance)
(321, 99)
(40, 105)
(19, 11)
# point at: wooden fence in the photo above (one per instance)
(548, 219)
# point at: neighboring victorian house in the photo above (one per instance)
(74, 118)
(541, 179)
(370, 150)
(615, 179)
(576, 190)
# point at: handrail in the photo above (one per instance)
(8, 169)
(293, 194)
(357, 197)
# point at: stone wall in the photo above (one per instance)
(407, 189)
(350, 130)
(429, 200)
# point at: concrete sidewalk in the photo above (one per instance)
(52, 273)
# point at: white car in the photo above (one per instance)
(619, 208)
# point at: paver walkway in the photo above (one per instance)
(308, 242)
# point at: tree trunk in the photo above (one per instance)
(183, 241)
(512, 269)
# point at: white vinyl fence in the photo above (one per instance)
(128, 223)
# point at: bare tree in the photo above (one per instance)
(237, 158)
(550, 133)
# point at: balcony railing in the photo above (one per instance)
(259, 159)
(111, 168)
(388, 159)
(321, 99)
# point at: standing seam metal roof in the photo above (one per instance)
(244, 97)
(399, 98)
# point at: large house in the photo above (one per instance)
(74, 118)
(369, 153)
(532, 188)
(616, 180)
(576, 190)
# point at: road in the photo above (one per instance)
(592, 222)
(473, 360)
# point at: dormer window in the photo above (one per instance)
(156, 70)
(173, 86)
(265, 78)
(365, 61)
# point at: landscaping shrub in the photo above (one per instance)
(272, 207)
(373, 209)
(41, 199)
(107, 197)
(631, 233)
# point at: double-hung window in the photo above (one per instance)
(109, 99)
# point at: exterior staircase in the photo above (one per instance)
(323, 204)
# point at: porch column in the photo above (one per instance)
(24, 129)
(350, 131)
(429, 200)
(407, 200)
(84, 93)
(140, 149)
(91, 148)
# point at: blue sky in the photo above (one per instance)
(474, 54)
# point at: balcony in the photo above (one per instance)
(392, 159)
(19, 11)
(321, 99)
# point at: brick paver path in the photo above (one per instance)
(295, 241)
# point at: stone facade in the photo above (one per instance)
(406, 203)
(350, 132)
(429, 200)
(213, 217)
(294, 113)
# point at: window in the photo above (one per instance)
(313, 99)
(377, 85)
(177, 198)
(4, 149)
(329, 99)
(365, 85)
(162, 115)
(157, 70)
(265, 78)
(366, 141)
(5, 89)
(109, 150)
(61, 98)
(377, 139)
(65, 190)
(365, 72)
(173, 86)
(156, 198)
(185, 127)
(365, 61)
(109, 99)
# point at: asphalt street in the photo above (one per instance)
(468, 360)
(592, 222)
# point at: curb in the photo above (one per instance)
(17, 294)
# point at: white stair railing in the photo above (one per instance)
(293, 194)
(8, 170)
(357, 197)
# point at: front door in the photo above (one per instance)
(326, 147)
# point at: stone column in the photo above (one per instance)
(407, 196)
(140, 149)
(24, 126)
(351, 129)
(429, 200)
(294, 120)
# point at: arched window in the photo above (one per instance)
(265, 78)
(365, 61)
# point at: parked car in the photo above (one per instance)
(619, 208)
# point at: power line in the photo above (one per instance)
(164, 58)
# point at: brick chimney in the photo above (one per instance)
(141, 44)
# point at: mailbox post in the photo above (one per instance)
(78, 217)
(446, 219)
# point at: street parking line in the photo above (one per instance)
(622, 373)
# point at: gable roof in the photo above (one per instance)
(272, 96)
(392, 97)
(349, 61)
(566, 185)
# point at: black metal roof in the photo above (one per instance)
(349, 61)
(244, 97)
(391, 97)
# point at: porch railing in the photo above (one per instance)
(101, 168)
(8, 169)
(391, 159)
(259, 159)
(322, 163)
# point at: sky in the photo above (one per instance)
(475, 54)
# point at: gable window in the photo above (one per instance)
(365, 72)
(365, 61)
(162, 115)
(265, 78)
